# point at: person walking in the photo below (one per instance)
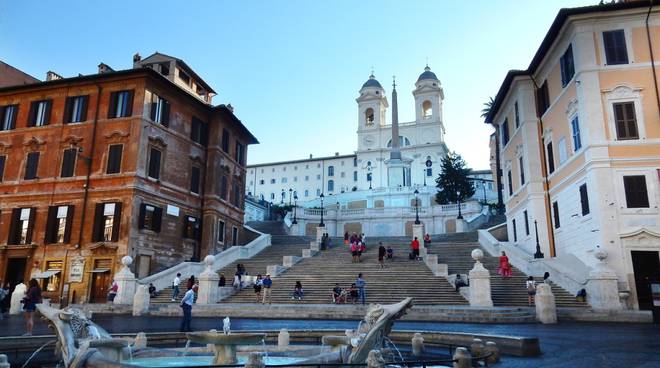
(267, 285)
(297, 291)
(360, 284)
(531, 290)
(346, 238)
(381, 255)
(191, 282)
(505, 267)
(427, 240)
(258, 283)
(414, 245)
(175, 286)
(546, 277)
(186, 305)
(32, 298)
(222, 282)
(354, 251)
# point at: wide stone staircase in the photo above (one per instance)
(269, 227)
(504, 291)
(400, 279)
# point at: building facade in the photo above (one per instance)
(579, 142)
(97, 167)
(10, 76)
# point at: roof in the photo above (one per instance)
(237, 121)
(428, 74)
(185, 67)
(548, 41)
(16, 75)
(372, 82)
(303, 160)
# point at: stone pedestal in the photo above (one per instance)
(462, 358)
(274, 270)
(479, 282)
(418, 231)
(307, 253)
(602, 285)
(477, 347)
(141, 300)
(283, 339)
(315, 246)
(417, 344)
(494, 352)
(4, 362)
(461, 226)
(140, 341)
(208, 283)
(289, 261)
(15, 306)
(546, 310)
(319, 233)
(126, 282)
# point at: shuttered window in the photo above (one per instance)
(39, 113)
(526, 222)
(8, 117)
(21, 226)
(121, 104)
(515, 230)
(551, 158)
(517, 114)
(567, 66)
(555, 212)
(114, 159)
(522, 171)
(107, 222)
(191, 228)
(31, 165)
(153, 171)
(616, 52)
(75, 109)
(584, 199)
(505, 132)
(195, 175)
(3, 160)
(636, 193)
(225, 140)
(58, 224)
(68, 162)
(198, 131)
(221, 231)
(240, 153)
(150, 217)
(510, 182)
(626, 121)
(236, 195)
(542, 98)
(224, 188)
(160, 110)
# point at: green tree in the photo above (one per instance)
(487, 106)
(453, 182)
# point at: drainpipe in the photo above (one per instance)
(648, 38)
(544, 169)
(498, 171)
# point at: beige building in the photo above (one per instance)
(579, 145)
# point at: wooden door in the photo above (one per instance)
(100, 285)
(646, 266)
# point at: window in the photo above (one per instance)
(284, 180)
(191, 228)
(331, 185)
(369, 178)
(567, 66)
(68, 162)
(160, 110)
(107, 218)
(39, 113)
(184, 77)
(31, 166)
(551, 158)
(3, 160)
(113, 165)
(555, 213)
(403, 142)
(198, 132)
(295, 178)
(8, 117)
(615, 47)
(575, 131)
(542, 98)
(234, 235)
(236, 195)
(522, 171)
(515, 231)
(354, 161)
(517, 114)
(272, 181)
(150, 217)
(306, 177)
(306, 193)
(342, 174)
(318, 176)
(240, 153)
(584, 199)
(54, 269)
(225, 141)
(626, 121)
(563, 154)
(121, 104)
(505, 132)
(429, 171)
(195, 174)
(224, 188)
(427, 109)
(21, 226)
(153, 169)
(58, 224)
(221, 231)
(272, 196)
(75, 109)
(318, 192)
(636, 194)
(526, 222)
(331, 171)
(508, 176)
(261, 182)
(355, 175)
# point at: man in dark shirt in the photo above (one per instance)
(336, 294)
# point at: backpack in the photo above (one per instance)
(411, 255)
(530, 286)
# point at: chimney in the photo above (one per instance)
(310, 156)
(51, 76)
(230, 107)
(336, 153)
(136, 57)
(104, 68)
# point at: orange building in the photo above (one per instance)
(133, 162)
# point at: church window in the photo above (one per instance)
(318, 176)
(272, 196)
(295, 178)
(369, 116)
(429, 172)
(368, 163)
(331, 185)
(261, 182)
(427, 109)
(355, 175)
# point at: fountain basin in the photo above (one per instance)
(224, 346)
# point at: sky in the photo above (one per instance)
(293, 69)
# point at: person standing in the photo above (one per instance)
(267, 285)
(346, 238)
(354, 252)
(186, 305)
(112, 292)
(175, 286)
(360, 284)
(505, 267)
(297, 291)
(427, 240)
(222, 282)
(257, 287)
(32, 298)
(531, 290)
(414, 245)
(381, 255)
(191, 282)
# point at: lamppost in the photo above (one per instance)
(416, 207)
(483, 186)
(424, 175)
(282, 200)
(290, 193)
(538, 253)
(295, 206)
(458, 199)
(369, 175)
(321, 224)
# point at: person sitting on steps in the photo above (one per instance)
(459, 282)
(337, 294)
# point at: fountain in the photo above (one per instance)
(224, 345)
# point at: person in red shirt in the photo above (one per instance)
(415, 248)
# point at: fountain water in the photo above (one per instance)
(392, 345)
(37, 352)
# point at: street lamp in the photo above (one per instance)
(538, 253)
(321, 224)
(483, 186)
(416, 207)
(282, 200)
(458, 199)
(290, 193)
(295, 206)
(424, 175)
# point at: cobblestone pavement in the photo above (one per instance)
(594, 345)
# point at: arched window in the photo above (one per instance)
(369, 116)
(261, 196)
(331, 171)
(331, 185)
(403, 141)
(306, 193)
(427, 109)
(272, 196)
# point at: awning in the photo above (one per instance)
(46, 274)
(99, 270)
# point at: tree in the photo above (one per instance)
(487, 106)
(453, 182)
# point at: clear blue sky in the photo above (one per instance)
(292, 69)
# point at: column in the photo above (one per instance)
(208, 283)
(126, 282)
(479, 282)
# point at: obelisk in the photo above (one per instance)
(395, 153)
(398, 168)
